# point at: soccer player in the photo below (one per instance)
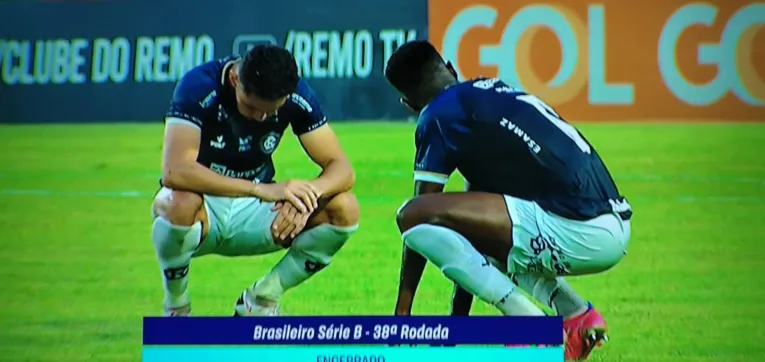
(218, 194)
(540, 199)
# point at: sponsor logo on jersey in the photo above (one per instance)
(301, 102)
(218, 143)
(208, 100)
(244, 144)
(243, 174)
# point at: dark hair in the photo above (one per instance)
(412, 66)
(269, 72)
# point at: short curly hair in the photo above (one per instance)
(269, 72)
(412, 66)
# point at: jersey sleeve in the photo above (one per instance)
(434, 160)
(309, 115)
(192, 97)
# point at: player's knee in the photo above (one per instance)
(343, 210)
(417, 211)
(413, 238)
(178, 207)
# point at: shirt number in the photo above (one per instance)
(553, 117)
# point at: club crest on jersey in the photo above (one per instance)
(269, 142)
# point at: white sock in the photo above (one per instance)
(174, 246)
(460, 262)
(311, 251)
(553, 292)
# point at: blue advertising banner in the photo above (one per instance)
(118, 60)
(353, 330)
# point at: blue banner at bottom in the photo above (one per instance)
(350, 354)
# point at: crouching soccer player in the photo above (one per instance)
(540, 200)
(217, 197)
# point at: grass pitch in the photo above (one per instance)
(78, 269)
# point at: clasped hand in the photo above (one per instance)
(301, 194)
(289, 222)
(295, 201)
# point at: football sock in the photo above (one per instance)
(553, 292)
(174, 246)
(462, 263)
(311, 251)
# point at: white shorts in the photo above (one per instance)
(547, 244)
(238, 227)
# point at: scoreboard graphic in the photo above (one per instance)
(353, 339)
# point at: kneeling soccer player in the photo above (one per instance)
(540, 201)
(218, 196)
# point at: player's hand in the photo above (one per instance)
(289, 222)
(301, 194)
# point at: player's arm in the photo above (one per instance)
(432, 170)
(183, 129)
(323, 147)
(321, 144)
(180, 170)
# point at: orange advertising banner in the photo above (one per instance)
(614, 59)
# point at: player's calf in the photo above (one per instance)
(585, 328)
(311, 251)
(176, 232)
(554, 292)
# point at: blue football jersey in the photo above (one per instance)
(506, 141)
(232, 145)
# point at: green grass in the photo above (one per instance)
(78, 269)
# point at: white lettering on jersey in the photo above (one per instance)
(553, 117)
(510, 126)
(222, 113)
(207, 101)
(300, 101)
(486, 83)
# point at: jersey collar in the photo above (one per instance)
(226, 68)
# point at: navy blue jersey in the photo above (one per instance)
(230, 144)
(509, 142)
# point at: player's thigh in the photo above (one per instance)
(247, 230)
(550, 245)
(478, 216)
